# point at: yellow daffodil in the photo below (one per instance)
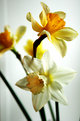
(8, 40)
(53, 25)
(29, 49)
(45, 80)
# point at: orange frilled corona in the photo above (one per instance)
(5, 39)
(54, 23)
(35, 84)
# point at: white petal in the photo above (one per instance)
(66, 33)
(58, 96)
(56, 85)
(32, 64)
(61, 14)
(47, 62)
(40, 100)
(45, 8)
(64, 76)
(4, 50)
(22, 83)
(20, 32)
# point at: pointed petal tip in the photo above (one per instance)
(16, 84)
(28, 16)
(42, 3)
(61, 14)
(45, 7)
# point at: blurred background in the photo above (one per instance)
(13, 13)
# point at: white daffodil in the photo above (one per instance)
(45, 80)
(53, 25)
(8, 39)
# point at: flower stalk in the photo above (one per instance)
(51, 110)
(37, 42)
(15, 97)
(18, 57)
(57, 111)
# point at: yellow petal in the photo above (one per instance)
(61, 14)
(43, 18)
(60, 45)
(36, 27)
(28, 16)
(29, 47)
(40, 51)
(20, 32)
(45, 8)
(66, 33)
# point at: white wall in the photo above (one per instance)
(13, 12)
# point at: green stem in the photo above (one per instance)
(51, 110)
(18, 57)
(15, 97)
(42, 114)
(57, 111)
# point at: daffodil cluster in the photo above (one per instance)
(44, 79)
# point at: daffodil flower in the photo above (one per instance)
(8, 39)
(29, 49)
(45, 80)
(53, 25)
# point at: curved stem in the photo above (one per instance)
(15, 97)
(37, 42)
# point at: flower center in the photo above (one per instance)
(55, 23)
(49, 78)
(5, 39)
(35, 84)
